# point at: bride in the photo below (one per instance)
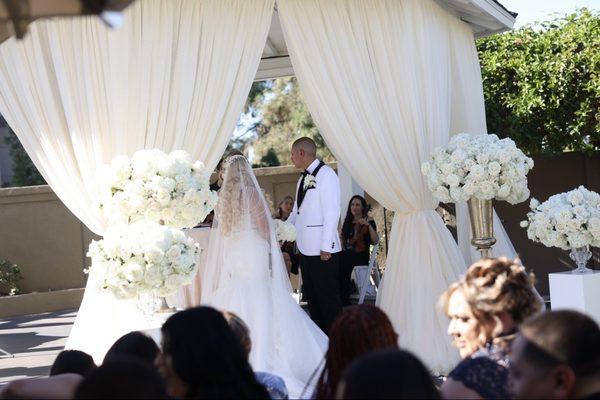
(245, 273)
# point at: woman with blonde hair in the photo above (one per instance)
(485, 309)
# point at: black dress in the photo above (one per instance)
(353, 254)
(486, 371)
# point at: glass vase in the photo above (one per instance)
(148, 303)
(581, 256)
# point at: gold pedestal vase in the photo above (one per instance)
(481, 213)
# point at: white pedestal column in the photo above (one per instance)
(579, 292)
(348, 188)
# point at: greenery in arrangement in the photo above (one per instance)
(542, 84)
(10, 275)
(24, 172)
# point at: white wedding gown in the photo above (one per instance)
(245, 274)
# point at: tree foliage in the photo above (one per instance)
(24, 172)
(542, 84)
(282, 117)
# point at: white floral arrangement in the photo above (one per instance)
(478, 166)
(155, 186)
(566, 220)
(143, 258)
(310, 182)
(285, 231)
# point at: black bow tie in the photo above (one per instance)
(305, 173)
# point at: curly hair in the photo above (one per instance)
(492, 286)
(357, 331)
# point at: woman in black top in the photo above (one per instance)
(359, 232)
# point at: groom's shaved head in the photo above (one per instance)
(306, 144)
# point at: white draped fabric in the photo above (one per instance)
(379, 77)
(174, 76)
(77, 94)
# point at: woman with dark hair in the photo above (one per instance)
(387, 374)
(359, 232)
(202, 358)
(133, 345)
(357, 331)
(73, 362)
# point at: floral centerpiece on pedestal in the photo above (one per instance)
(143, 258)
(285, 231)
(477, 169)
(569, 221)
(155, 186)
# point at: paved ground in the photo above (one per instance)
(34, 340)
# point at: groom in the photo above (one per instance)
(316, 214)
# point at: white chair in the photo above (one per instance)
(367, 277)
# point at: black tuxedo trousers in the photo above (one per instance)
(320, 281)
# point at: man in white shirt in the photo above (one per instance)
(316, 214)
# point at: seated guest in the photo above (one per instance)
(134, 345)
(387, 374)
(557, 356)
(72, 362)
(122, 379)
(288, 249)
(202, 358)
(274, 384)
(61, 386)
(358, 233)
(357, 331)
(485, 309)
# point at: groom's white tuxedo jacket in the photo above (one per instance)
(316, 219)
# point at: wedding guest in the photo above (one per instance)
(274, 384)
(387, 374)
(485, 309)
(557, 356)
(72, 362)
(284, 209)
(60, 386)
(134, 345)
(357, 331)
(358, 233)
(288, 249)
(122, 379)
(202, 358)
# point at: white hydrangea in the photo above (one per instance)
(143, 257)
(285, 231)
(565, 220)
(480, 166)
(155, 186)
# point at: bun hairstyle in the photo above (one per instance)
(493, 286)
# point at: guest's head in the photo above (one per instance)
(72, 362)
(491, 300)
(284, 209)
(387, 374)
(240, 330)
(304, 152)
(357, 331)
(202, 358)
(135, 345)
(357, 208)
(122, 379)
(557, 356)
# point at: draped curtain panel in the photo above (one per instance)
(379, 78)
(174, 76)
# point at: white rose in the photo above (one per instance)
(452, 180)
(494, 168)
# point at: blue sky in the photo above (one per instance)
(539, 10)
